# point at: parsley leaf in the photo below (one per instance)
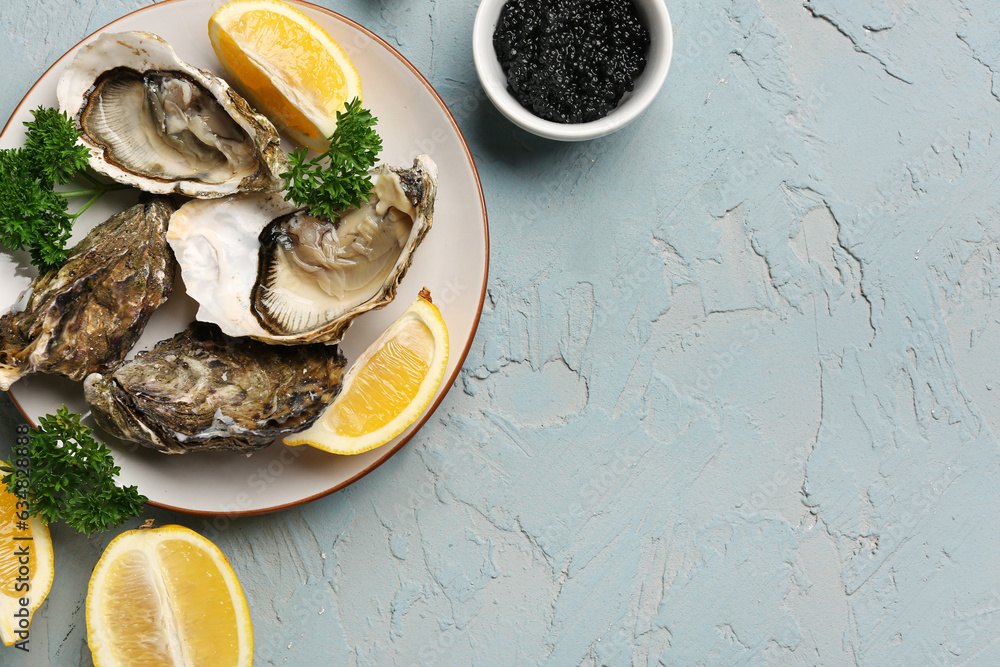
(70, 476)
(32, 214)
(50, 145)
(338, 179)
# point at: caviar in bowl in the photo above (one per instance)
(564, 69)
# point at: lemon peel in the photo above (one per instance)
(287, 65)
(388, 387)
(26, 567)
(167, 596)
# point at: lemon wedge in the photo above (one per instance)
(388, 387)
(26, 567)
(167, 596)
(286, 65)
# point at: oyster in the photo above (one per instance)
(202, 390)
(260, 268)
(85, 316)
(154, 122)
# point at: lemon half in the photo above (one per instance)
(388, 387)
(26, 567)
(287, 65)
(167, 596)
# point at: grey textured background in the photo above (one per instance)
(733, 398)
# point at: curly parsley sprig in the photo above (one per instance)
(338, 179)
(33, 215)
(70, 476)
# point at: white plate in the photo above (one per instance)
(452, 262)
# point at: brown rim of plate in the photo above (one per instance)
(482, 294)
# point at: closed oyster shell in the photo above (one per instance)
(157, 123)
(202, 390)
(87, 315)
(260, 268)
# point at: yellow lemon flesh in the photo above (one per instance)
(287, 66)
(167, 596)
(388, 387)
(26, 567)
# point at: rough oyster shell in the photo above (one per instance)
(260, 268)
(87, 315)
(202, 390)
(154, 122)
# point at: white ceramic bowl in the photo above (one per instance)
(661, 47)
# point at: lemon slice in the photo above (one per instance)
(286, 65)
(167, 596)
(388, 387)
(26, 567)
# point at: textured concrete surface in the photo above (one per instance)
(733, 400)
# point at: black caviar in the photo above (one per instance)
(570, 61)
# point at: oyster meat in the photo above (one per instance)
(154, 122)
(87, 315)
(202, 390)
(258, 267)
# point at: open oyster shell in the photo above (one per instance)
(202, 390)
(87, 315)
(154, 122)
(260, 268)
